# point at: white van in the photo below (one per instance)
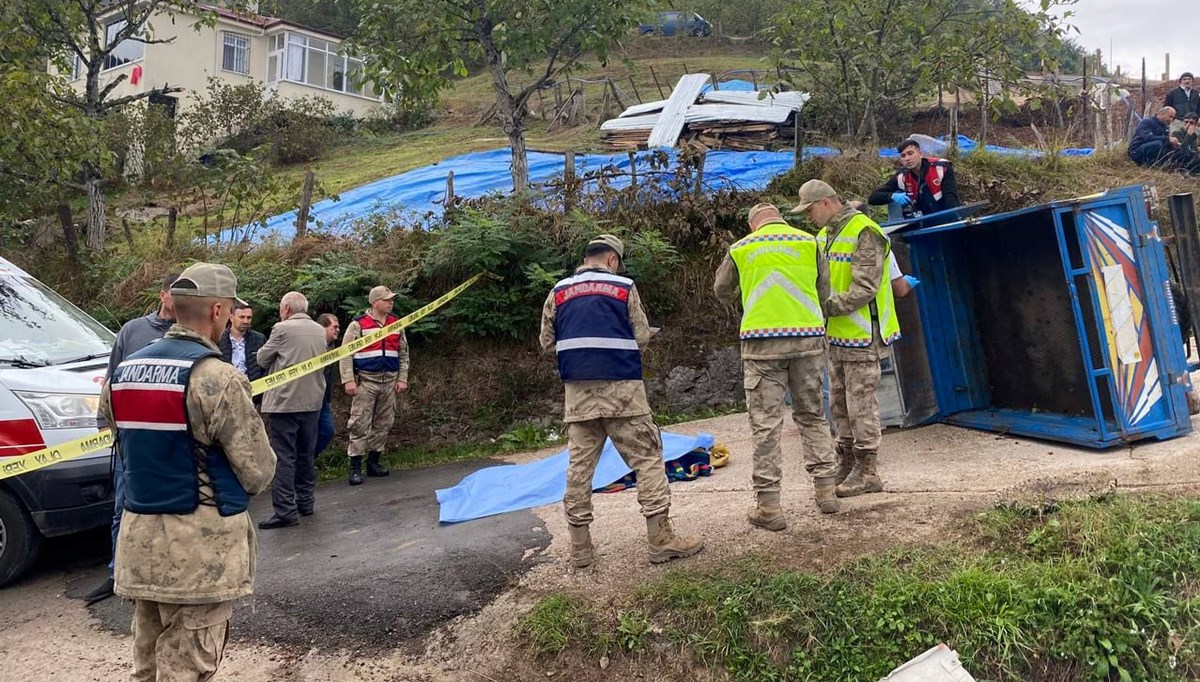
(52, 362)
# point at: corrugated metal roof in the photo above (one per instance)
(793, 101)
(704, 113)
(641, 109)
(670, 122)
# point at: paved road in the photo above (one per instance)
(371, 569)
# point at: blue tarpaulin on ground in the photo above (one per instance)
(512, 487)
(422, 190)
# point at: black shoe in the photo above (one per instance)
(374, 468)
(276, 522)
(356, 470)
(104, 591)
(306, 512)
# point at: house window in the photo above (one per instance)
(235, 54)
(128, 50)
(320, 64)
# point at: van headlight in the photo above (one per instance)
(61, 410)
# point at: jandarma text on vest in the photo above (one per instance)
(591, 288)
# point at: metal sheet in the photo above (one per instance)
(642, 109)
(793, 101)
(670, 123)
(704, 113)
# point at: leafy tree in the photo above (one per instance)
(74, 36)
(418, 46)
(880, 55)
(336, 16)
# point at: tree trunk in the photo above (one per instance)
(520, 161)
(172, 217)
(95, 212)
(70, 236)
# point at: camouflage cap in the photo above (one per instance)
(762, 212)
(612, 242)
(207, 280)
(811, 192)
(380, 293)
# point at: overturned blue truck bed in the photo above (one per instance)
(1054, 322)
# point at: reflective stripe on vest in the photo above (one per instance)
(855, 330)
(594, 337)
(163, 462)
(777, 274)
(381, 356)
(933, 180)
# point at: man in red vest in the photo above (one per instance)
(372, 377)
(923, 184)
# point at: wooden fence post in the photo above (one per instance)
(305, 204)
(661, 94)
(636, 94)
(700, 173)
(127, 231)
(568, 179)
(449, 202)
(633, 180)
(172, 218)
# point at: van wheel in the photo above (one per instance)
(20, 540)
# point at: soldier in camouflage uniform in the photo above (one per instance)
(861, 324)
(779, 275)
(372, 377)
(194, 450)
(595, 323)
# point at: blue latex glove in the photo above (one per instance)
(901, 199)
(912, 281)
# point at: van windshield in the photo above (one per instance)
(38, 327)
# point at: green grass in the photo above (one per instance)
(1104, 589)
(558, 622)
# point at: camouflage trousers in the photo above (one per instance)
(854, 402)
(178, 642)
(766, 383)
(638, 442)
(372, 412)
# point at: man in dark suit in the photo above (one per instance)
(239, 344)
(1183, 99)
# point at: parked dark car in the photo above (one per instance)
(677, 23)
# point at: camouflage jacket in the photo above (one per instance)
(586, 400)
(202, 557)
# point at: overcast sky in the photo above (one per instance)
(1141, 28)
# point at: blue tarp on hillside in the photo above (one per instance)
(512, 487)
(939, 146)
(422, 190)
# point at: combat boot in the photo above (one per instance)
(356, 470)
(374, 468)
(845, 453)
(826, 493)
(864, 478)
(665, 544)
(581, 546)
(767, 512)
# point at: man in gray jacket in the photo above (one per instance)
(135, 335)
(293, 410)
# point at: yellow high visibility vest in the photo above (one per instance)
(854, 330)
(777, 271)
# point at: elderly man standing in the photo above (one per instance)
(372, 378)
(781, 275)
(861, 323)
(595, 323)
(293, 410)
(194, 452)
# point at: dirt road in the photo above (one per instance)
(405, 599)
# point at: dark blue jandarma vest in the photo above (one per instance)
(595, 339)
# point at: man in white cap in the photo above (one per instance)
(372, 377)
(861, 323)
(194, 452)
(779, 275)
(595, 323)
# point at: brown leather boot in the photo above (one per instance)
(665, 544)
(581, 546)
(845, 453)
(826, 492)
(767, 512)
(864, 478)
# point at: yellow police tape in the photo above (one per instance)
(14, 466)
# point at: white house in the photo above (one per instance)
(289, 59)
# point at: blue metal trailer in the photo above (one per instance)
(1054, 322)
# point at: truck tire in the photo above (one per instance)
(20, 541)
